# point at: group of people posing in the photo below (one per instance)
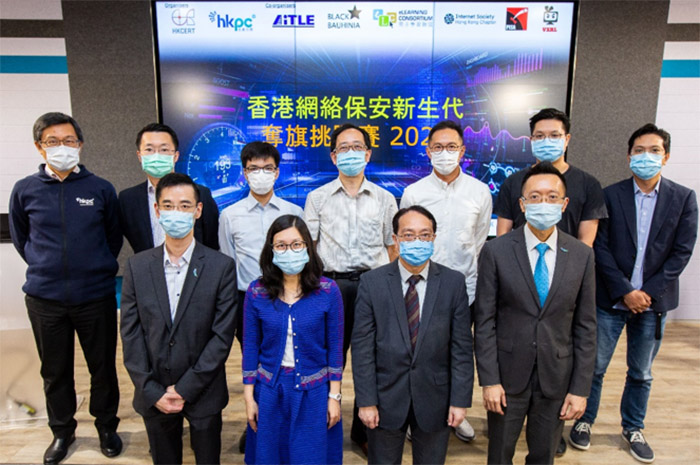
(417, 293)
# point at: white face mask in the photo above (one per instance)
(261, 182)
(445, 162)
(62, 158)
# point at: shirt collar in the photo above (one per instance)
(405, 274)
(638, 190)
(184, 260)
(251, 202)
(150, 187)
(442, 184)
(531, 241)
(366, 186)
(49, 172)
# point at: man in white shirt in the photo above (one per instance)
(462, 206)
(350, 221)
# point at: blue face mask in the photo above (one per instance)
(351, 163)
(176, 224)
(548, 149)
(543, 215)
(416, 252)
(291, 262)
(646, 165)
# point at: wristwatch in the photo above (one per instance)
(335, 396)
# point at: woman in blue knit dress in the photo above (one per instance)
(292, 353)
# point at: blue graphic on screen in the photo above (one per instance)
(290, 75)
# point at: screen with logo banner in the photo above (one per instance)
(290, 72)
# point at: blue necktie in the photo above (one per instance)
(542, 274)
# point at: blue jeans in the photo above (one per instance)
(642, 347)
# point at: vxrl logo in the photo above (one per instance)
(85, 202)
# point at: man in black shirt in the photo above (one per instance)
(549, 137)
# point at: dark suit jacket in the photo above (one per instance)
(512, 331)
(189, 352)
(136, 218)
(674, 229)
(387, 373)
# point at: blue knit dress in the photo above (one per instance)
(293, 402)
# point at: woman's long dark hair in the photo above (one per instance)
(272, 277)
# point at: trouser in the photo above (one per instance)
(543, 431)
(386, 446)
(165, 437)
(54, 326)
(238, 322)
(642, 347)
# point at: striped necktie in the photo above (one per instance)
(413, 308)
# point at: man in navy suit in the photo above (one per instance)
(157, 150)
(641, 250)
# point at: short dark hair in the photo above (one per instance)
(272, 277)
(650, 129)
(447, 124)
(157, 127)
(176, 179)
(340, 129)
(413, 208)
(52, 119)
(550, 113)
(258, 149)
(543, 167)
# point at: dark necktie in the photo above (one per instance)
(413, 308)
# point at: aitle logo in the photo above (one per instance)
(294, 21)
(226, 22)
(516, 19)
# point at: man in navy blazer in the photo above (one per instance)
(157, 150)
(641, 250)
(177, 320)
(412, 347)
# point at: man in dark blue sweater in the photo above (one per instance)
(64, 222)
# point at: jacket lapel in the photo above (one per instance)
(194, 273)
(520, 252)
(396, 291)
(159, 284)
(629, 209)
(559, 269)
(431, 293)
(661, 210)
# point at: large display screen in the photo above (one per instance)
(290, 72)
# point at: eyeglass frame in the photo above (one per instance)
(46, 143)
(279, 245)
(423, 237)
(555, 199)
(347, 148)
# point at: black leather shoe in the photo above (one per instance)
(110, 444)
(58, 449)
(561, 448)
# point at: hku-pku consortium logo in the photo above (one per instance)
(232, 22)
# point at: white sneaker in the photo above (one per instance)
(465, 432)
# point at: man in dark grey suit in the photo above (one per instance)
(412, 347)
(535, 324)
(177, 322)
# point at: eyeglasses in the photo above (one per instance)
(68, 142)
(437, 148)
(162, 151)
(555, 136)
(538, 198)
(268, 169)
(354, 148)
(410, 237)
(185, 207)
(296, 246)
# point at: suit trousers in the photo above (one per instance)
(386, 446)
(165, 438)
(54, 326)
(543, 430)
(239, 318)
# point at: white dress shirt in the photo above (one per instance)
(352, 232)
(421, 285)
(242, 231)
(175, 274)
(462, 210)
(550, 256)
(156, 228)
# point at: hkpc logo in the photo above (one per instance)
(231, 22)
